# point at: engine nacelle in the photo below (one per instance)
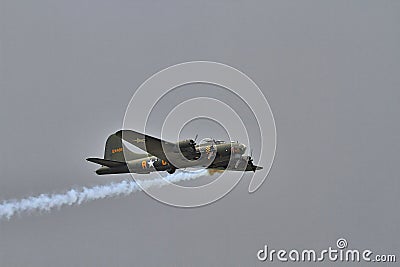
(171, 170)
(187, 146)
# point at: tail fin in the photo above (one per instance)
(115, 150)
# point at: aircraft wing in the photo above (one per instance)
(150, 144)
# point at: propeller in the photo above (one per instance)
(250, 161)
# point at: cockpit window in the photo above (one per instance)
(212, 141)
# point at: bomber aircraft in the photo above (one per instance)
(168, 156)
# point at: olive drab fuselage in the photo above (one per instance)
(213, 156)
(169, 156)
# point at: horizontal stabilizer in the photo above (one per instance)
(106, 162)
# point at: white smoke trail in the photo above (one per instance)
(46, 202)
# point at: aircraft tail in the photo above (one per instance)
(115, 150)
(106, 162)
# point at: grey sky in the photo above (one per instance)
(329, 69)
